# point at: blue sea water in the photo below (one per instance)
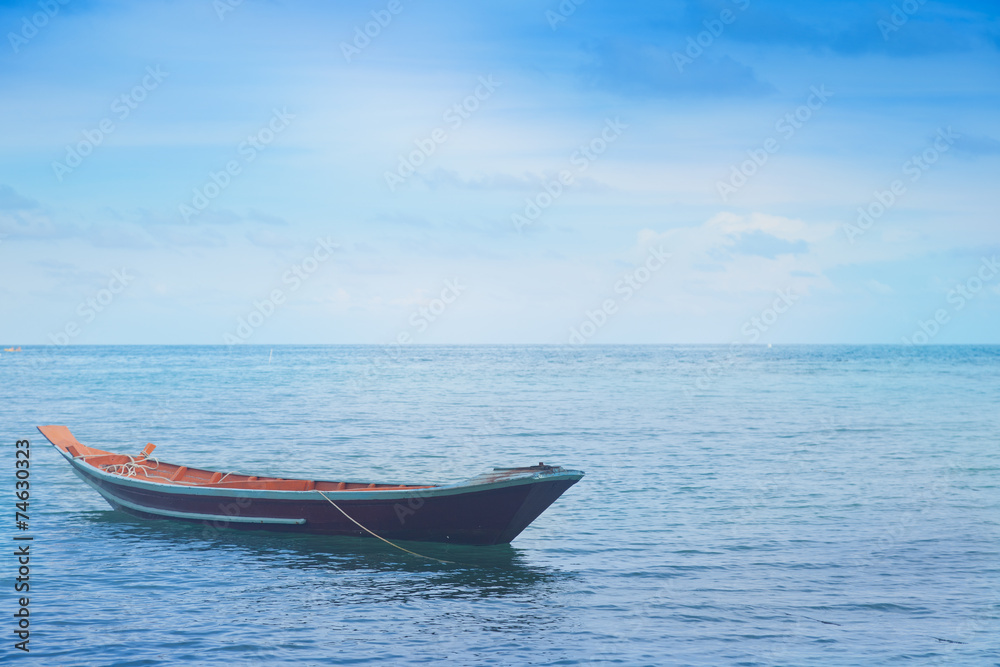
(795, 505)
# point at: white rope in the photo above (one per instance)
(123, 469)
(373, 534)
(219, 482)
(129, 469)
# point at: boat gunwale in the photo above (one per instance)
(528, 476)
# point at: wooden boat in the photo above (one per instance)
(492, 508)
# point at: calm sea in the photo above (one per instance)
(795, 505)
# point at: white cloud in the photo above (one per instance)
(707, 259)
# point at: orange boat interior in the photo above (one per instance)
(145, 466)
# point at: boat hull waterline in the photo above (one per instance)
(492, 508)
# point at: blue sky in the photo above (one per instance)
(180, 172)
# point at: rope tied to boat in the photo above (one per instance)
(123, 469)
(373, 534)
(131, 468)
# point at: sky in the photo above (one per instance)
(421, 172)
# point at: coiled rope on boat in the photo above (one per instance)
(373, 534)
(130, 468)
